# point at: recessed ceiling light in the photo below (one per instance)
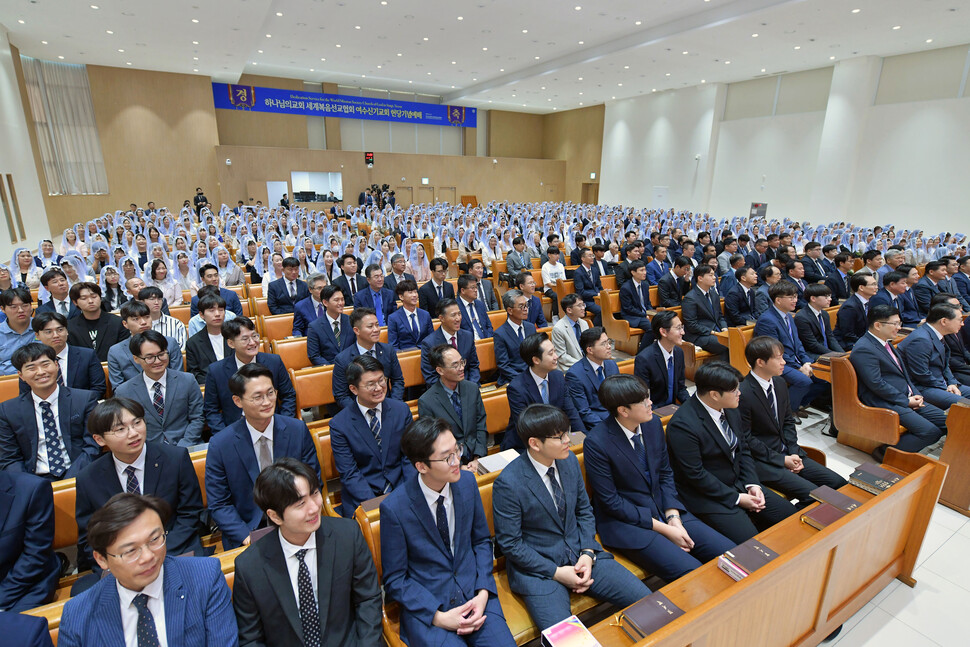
(764, 69)
(108, 31)
(356, 26)
(452, 87)
(620, 85)
(610, 97)
(460, 18)
(258, 51)
(543, 88)
(44, 42)
(364, 76)
(378, 67)
(323, 59)
(312, 69)
(537, 58)
(626, 67)
(195, 58)
(410, 81)
(425, 38)
(668, 74)
(638, 23)
(727, 62)
(580, 79)
(928, 40)
(384, 2)
(454, 62)
(22, 22)
(94, 6)
(897, 27)
(195, 20)
(279, 13)
(580, 42)
(798, 46)
(525, 31)
(856, 10)
(484, 49)
(831, 58)
(195, 70)
(754, 35)
(194, 42)
(400, 54)
(684, 52)
(61, 57)
(338, 45)
(703, 81)
(501, 69)
(474, 79)
(580, 94)
(255, 63)
(129, 63)
(654, 90)
(580, 103)
(269, 35)
(429, 73)
(578, 8)
(121, 50)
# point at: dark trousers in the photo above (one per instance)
(739, 525)
(713, 346)
(802, 389)
(923, 427)
(798, 486)
(661, 557)
(555, 302)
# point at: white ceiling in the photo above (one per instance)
(525, 55)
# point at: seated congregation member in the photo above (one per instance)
(931, 283)
(518, 259)
(949, 285)
(332, 332)
(730, 280)
(583, 379)
(509, 336)
(545, 527)
(398, 265)
(658, 266)
(80, 368)
(207, 346)
(713, 468)
(284, 293)
(927, 357)
(349, 281)
(210, 276)
(451, 333)
(838, 280)
(632, 254)
(850, 323)
(363, 321)
(161, 322)
(586, 278)
(376, 296)
(136, 465)
(171, 399)
(486, 293)
(635, 301)
(895, 292)
(219, 404)
(26, 631)
(55, 282)
(769, 275)
(147, 597)
(739, 301)
(769, 425)
(702, 314)
(308, 310)
(437, 287)
(674, 284)
(239, 452)
(661, 365)
(813, 324)
(122, 366)
(197, 322)
(552, 271)
(442, 580)
(95, 328)
(778, 322)
(311, 581)
(795, 273)
(961, 279)
(29, 569)
(956, 343)
(525, 282)
(409, 324)
(43, 431)
(474, 316)
(366, 436)
(566, 332)
(540, 382)
(635, 501)
(884, 382)
(458, 401)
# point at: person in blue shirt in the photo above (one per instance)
(15, 331)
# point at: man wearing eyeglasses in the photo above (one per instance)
(136, 318)
(15, 330)
(171, 399)
(80, 368)
(134, 464)
(366, 437)
(147, 598)
(583, 379)
(238, 453)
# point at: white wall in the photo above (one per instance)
(17, 159)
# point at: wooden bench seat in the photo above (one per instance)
(860, 426)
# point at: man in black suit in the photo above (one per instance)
(55, 282)
(713, 468)
(349, 282)
(199, 200)
(284, 292)
(635, 301)
(661, 365)
(740, 301)
(769, 426)
(838, 281)
(850, 324)
(673, 285)
(956, 343)
(586, 278)
(80, 368)
(814, 270)
(633, 251)
(207, 346)
(436, 288)
(702, 313)
(758, 257)
(132, 464)
(94, 329)
(604, 268)
(795, 273)
(274, 596)
(29, 569)
(331, 333)
(813, 325)
(576, 254)
(949, 284)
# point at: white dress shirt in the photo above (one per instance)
(364, 410)
(431, 497)
(218, 346)
(764, 384)
(473, 314)
(62, 362)
(138, 464)
(150, 385)
(255, 435)
(156, 605)
(542, 470)
(43, 467)
(539, 380)
(293, 564)
(630, 434)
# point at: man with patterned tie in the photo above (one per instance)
(148, 599)
(308, 310)
(451, 333)
(376, 296)
(436, 549)
(474, 316)
(583, 379)
(544, 525)
(367, 333)
(661, 365)
(310, 582)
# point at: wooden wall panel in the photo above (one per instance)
(575, 136)
(514, 134)
(243, 128)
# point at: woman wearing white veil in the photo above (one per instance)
(491, 253)
(70, 242)
(274, 271)
(184, 273)
(229, 272)
(160, 276)
(418, 264)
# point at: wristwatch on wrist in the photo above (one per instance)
(590, 552)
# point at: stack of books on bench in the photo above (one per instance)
(833, 506)
(873, 478)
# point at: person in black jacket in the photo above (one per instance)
(813, 324)
(95, 328)
(673, 285)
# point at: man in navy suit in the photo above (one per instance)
(829, 252)
(147, 595)
(927, 357)
(814, 270)
(673, 285)
(308, 310)
(584, 378)
(757, 258)
(813, 325)
(838, 280)
(239, 452)
(850, 323)
(122, 366)
(80, 368)
(894, 292)
(474, 316)
(376, 296)
(349, 282)
(769, 275)
(363, 321)
(26, 631)
(219, 404)
(436, 552)
(884, 382)
(658, 266)
(586, 279)
(55, 282)
(398, 263)
(962, 278)
(541, 382)
(409, 324)
(777, 322)
(635, 501)
(28, 566)
(930, 284)
(43, 432)
(525, 282)
(740, 300)
(509, 336)
(635, 301)
(486, 293)
(210, 276)
(285, 292)
(132, 464)
(545, 527)
(949, 285)
(366, 437)
(729, 281)
(795, 273)
(702, 314)
(437, 288)
(661, 365)
(450, 333)
(332, 332)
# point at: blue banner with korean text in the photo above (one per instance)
(248, 97)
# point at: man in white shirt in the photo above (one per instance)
(80, 368)
(55, 282)
(208, 345)
(553, 270)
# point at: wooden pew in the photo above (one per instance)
(292, 351)
(183, 313)
(860, 426)
(255, 290)
(738, 338)
(273, 327)
(9, 387)
(956, 450)
(626, 337)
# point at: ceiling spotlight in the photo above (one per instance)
(626, 67)
(501, 69)
(425, 38)
(323, 59)
(897, 27)
(460, 18)
(668, 74)
(109, 31)
(703, 81)
(620, 85)
(338, 45)
(22, 22)
(122, 51)
(269, 35)
(454, 62)
(195, 58)
(195, 20)
(384, 2)
(764, 69)
(279, 13)
(580, 79)
(684, 52)
(798, 46)
(654, 90)
(44, 42)
(543, 88)
(578, 8)
(525, 31)
(194, 42)
(356, 26)
(856, 10)
(928, 40)
(195, 70)
(484, 49)
(312, 69)
(537, 58)
(727, 62)
(754, 35)
(580, 42)
(129, 63)
(94, 6)
(638, 23)
(259, 51)
(61, 57)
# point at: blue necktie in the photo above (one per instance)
(145, 628)
(414, 328)
(578, 332)
(521, 333)
(377, 307)
(600, 376)
(475, 322)
(375, 426)
(456, 403)
(670, 380)
(788, 325)
(544, 391)
(641, 455)
(821, 325)
(441, 520)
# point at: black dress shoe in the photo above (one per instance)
(879, 453)
(833, 635)
(831, 431)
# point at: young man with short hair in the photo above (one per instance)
(29, 569)
(165, 324)
(661, 365)
(79, 367)
(486, 293)
(136, 318)
(94, 329)
(451, 333)
(474, 316)
(635, 301)
(409, 324)
(934, 273)
(584, 377)
(15, 330)
(927, 357)
(702, 314)
(552, 271)
(509, 336)
(674, 284)
(208, 346)
(367, 333)
(586, 278)
(349, 282)
(813, 324)
(285, 292)
(55, 282)
(838, 280)
(567, 331)
(895, 285)
(526, 283)
(209, 274)
(850, 323)
(437, 287)
(332, 332)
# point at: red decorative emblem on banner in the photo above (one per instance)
(456, 115)
(242, 96)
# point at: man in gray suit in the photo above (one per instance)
(171, 399)
(457, 400)
(136, 318)
(518, 260)
(545, 527)
(485, 290)
(566, 332)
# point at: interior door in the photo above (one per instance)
(447, 194)
(426, 194)
(256, 191)
(403, 196)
